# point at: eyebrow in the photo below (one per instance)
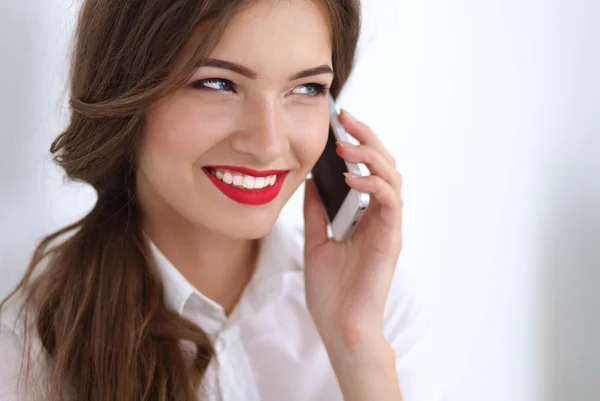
(247, 72)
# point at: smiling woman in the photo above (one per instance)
(195, 122)
(258, 101)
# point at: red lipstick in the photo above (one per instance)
(248, 196)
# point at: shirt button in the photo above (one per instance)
(221, 343)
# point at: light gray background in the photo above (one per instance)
(492, 109)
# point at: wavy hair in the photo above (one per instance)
(97, 299)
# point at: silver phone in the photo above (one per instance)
(343, 205)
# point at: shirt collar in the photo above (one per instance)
(280, 251)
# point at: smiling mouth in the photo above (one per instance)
(245, 181)
(246, 186)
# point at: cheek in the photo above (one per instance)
(310, 140)
(179, 133)
(173, 135)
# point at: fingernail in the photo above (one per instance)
(351, 175)
(343, 144)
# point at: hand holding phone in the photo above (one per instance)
(347, 282)
(343, 205)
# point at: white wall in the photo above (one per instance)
(33, 198)
(492, 110)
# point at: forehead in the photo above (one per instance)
(274, 36)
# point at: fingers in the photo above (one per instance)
(374, 160)
(365, 135)
(376, 186)
(385, 183)
(383, 193)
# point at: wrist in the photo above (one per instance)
(370, 352)
(366, 372)
(351, 341)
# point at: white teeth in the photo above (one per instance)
(259, 182)
(248, 182)
(244, 181)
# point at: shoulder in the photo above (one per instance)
(19, 352)
(24, 365)
(17, 323)
(409, 326)
(406, 305)
(11, 329)
(16, 316)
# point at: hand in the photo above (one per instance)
(347, 283)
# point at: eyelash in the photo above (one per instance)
(319, 89)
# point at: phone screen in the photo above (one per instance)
(328, 178)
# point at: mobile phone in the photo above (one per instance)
(343, 205)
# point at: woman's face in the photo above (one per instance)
(247, 109)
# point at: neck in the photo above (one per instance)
(217, 266)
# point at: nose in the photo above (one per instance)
(262, 135)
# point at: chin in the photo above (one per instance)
(253, 224)
(247, 230)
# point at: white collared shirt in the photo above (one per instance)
(268, 348)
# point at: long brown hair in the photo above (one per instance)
(98, 302)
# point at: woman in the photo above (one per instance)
(170, 290)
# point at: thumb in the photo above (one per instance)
(315, 221)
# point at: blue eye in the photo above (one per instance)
(216, 84)
(225, 85)
(313, 89)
